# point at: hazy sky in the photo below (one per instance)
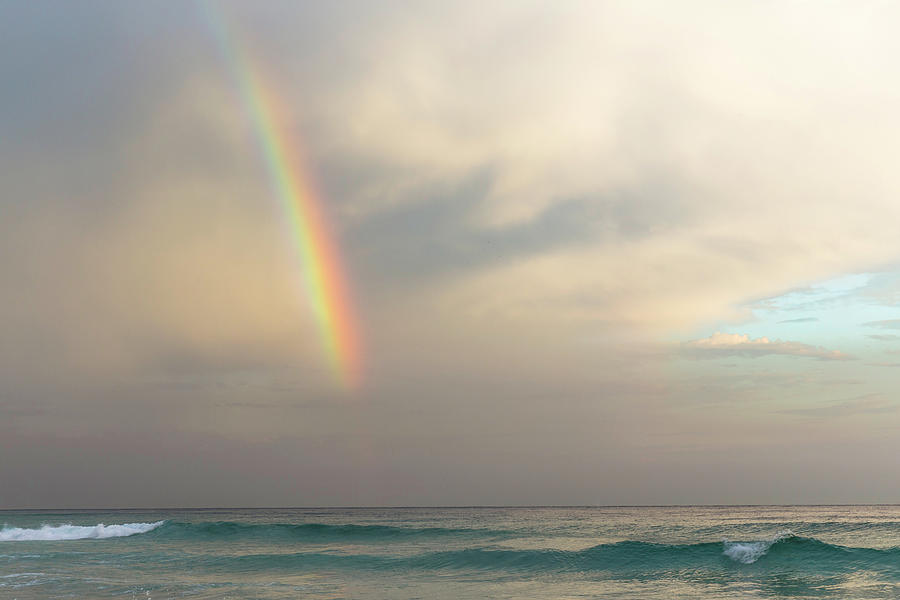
(599, 252)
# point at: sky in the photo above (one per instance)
(590, 253)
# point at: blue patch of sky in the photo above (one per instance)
(838, 314)
(835, 313)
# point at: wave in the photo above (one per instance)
(315, 532)
(753, 529)
(750, 552)
(48, 533)
(477, 549)
(785, 553)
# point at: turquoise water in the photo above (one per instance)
(615, 552)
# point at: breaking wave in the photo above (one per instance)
(750, 552)
(47, 533)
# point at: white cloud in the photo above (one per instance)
(705, 136)
(734, 344)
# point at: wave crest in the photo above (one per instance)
(47, 533)
(750, 552)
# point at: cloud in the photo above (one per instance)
(664, 131)
(800, 320)
(528, 193)
(733, 344)
(885, 337)
(614, 151)
(866, 404)
(886, 324)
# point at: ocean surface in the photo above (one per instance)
(453, 553)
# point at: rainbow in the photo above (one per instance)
(292, 185)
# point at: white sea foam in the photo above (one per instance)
(750, 552)
(74, 532)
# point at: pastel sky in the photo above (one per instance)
(598, 253)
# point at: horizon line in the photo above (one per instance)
(447, 506)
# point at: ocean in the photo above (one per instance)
(452, 553)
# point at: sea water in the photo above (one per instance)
(575, 552)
